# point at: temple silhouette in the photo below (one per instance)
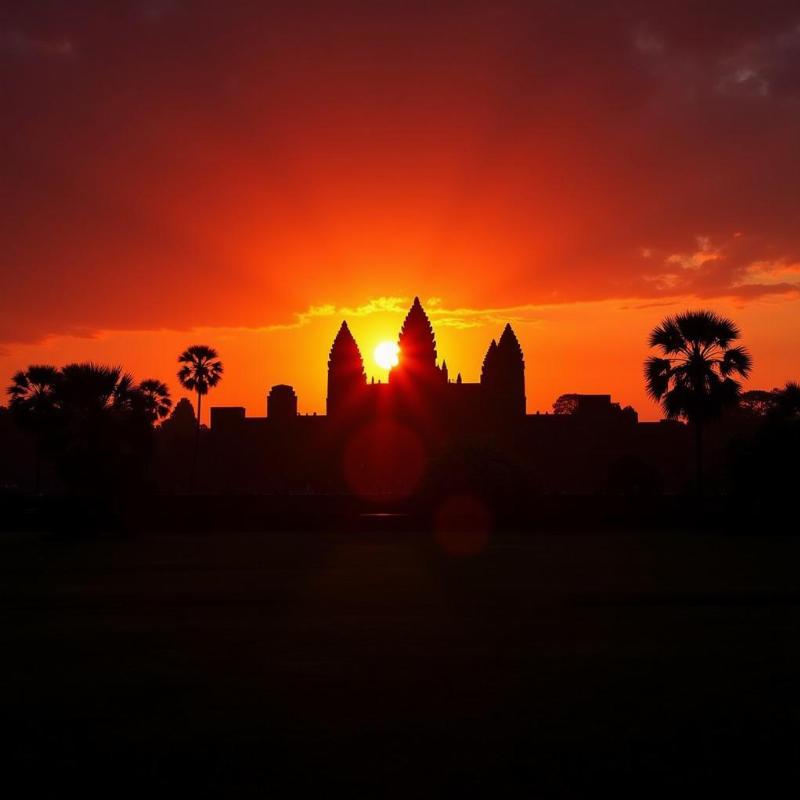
(421, 391)
(426, 428)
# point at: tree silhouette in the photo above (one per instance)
(155, 395)
(762, 463)
(87, 389)
(103, 427)
(201, 371)
(93, 419)
(788, 400)
(758, 402)
(33, 402)
(694, 377)
(566, 404)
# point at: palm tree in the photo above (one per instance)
(694, 376)
(201, 371)
(155, 395)
(34, 401)
(87, 390)
(103, 433)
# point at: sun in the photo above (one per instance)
(385, 354)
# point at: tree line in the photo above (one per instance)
(95, 422)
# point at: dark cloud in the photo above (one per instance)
(16, 43)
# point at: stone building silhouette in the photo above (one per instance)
(421, 390)
(347, 379)
(451, 425)
(281, 403)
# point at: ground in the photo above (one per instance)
(550, 663)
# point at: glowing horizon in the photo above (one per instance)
(559, 342)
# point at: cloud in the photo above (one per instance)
(19, 44)
(757, 291)
(732, 267)
(392, 305)
(154, 11)
(744, 56)
(302, 318)
(645, 41)
(745, 80)
(457, 317)
(463, 318)
(442, 316)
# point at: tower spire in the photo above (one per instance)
(345, 371)
(507, 374)
(417, 342)
(508, 346)
(489, 367)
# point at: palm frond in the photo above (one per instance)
(197, 352)
(657, 375)
(124, 384)
(201, 368)
(678, 402)
(667, 336)
(20, 386)
(736, 361)
(155, 387)
(706, 328)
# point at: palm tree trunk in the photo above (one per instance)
(698, 455)
(196, 442)
(37, 468)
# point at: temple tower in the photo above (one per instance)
(503, 376)
(346, 376)
(511, 373)
(417, 343)
(489, 367)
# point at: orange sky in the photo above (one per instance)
(246, 177)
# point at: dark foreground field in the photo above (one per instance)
(550, 664)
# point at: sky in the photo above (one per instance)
(248, 174)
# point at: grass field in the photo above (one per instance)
(547, 665)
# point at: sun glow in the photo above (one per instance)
(386, 354)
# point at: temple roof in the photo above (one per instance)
(489, 361)
(509, 344)
(345, 355)
(417, 341)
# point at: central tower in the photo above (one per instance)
(417, 356)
